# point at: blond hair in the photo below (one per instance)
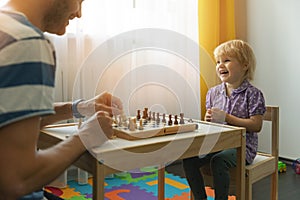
(240, 50)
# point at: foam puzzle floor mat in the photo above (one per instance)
(138, 185)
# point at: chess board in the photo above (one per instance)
(153, 129)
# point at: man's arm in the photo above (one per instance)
(63, 111)
(102, 102)
(23, 168)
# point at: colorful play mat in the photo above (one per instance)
(137, 185)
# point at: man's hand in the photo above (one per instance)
(103, 102)
(96, 130)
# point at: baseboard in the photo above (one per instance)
(286, 160)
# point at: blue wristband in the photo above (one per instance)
(75, 110)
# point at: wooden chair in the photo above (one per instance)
(264, 164)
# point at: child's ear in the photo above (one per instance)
(245, 66)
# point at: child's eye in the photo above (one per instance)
(227, 60)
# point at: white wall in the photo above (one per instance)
(272, 27)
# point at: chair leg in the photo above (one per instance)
(191, 195)
(274, 186)
(248, 189)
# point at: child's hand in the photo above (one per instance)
(215, 115)
(207, 116)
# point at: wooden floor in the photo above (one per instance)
(288, 184)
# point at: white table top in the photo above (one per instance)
(157, 150)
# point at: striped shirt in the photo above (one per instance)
(27, 70)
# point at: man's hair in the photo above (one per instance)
(240, 50)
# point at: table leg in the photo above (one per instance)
(161, 183)
(240, 183)
(98, 181)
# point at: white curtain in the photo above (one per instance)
(144, 51)
(2, 2)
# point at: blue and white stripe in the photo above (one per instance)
(27, 70)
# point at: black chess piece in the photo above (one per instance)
(175, 120)
(157, 118)
(170, 122)
(138, 116)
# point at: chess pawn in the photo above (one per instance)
(141, 127)
(124, 121)
(181, 121)
(170, 122)
(149, 116)
(138, 116)
(134, 121)
(132, 124)
(175, 121)
(153, 116)
(164, 118)
(157, 118)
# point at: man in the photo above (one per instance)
(27, 69)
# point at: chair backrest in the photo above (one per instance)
(272, 115)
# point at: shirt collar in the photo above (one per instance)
(245, 84)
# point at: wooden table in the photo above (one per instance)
(123, 155)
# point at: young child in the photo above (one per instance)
(234, 102)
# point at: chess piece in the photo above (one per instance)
(134, 121)
(141, 127)
(149, 116)
(170, 122)
(123, 120)
(153, 124)
(120, 121)
(153, 116)
(175, 121)
(164, 118)
(138, 116)
(157, 118)
(181, 121)
(145, 113)
(131, 124)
